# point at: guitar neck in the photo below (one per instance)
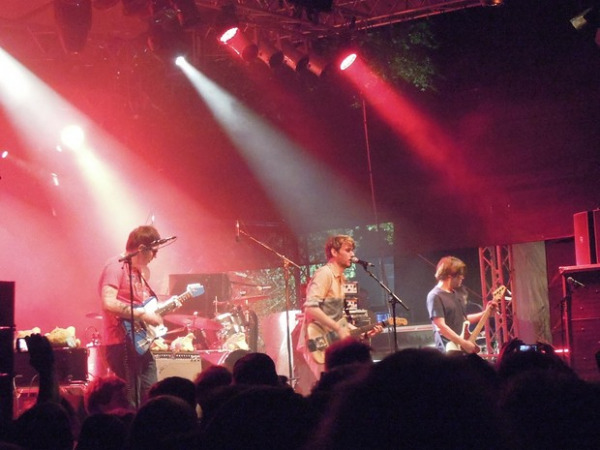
(497, 294)
(479, 326)
(365, 328)
(173, 304)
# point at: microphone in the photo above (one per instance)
(574, 282)
(237, 231)
(365, 264)
(162, 241)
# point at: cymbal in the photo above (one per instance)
(93, 315)
(239, 300)
(192, 321)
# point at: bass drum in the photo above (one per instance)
(221, 358)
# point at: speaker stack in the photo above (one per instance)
(586, 230)
(7, 332)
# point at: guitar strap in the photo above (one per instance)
(152, 293)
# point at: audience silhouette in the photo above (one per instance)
(177, 387)
(415, 398)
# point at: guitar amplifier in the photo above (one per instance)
(412, 336)
(190, 364)
(71, 366)
(185, 365)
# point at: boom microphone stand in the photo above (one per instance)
(130, 361)
(286, 276)
(393, 301)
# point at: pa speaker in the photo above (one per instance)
(7, 303)
(586, 231)
(7, 332)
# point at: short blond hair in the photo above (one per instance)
(336, 242)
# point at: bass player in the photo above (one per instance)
(446, 307)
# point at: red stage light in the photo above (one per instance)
(228, 35)
(348, 61)
(236, 40)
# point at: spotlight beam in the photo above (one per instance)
(292, 179)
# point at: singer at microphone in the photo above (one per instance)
(324, 309)
(365, 264)
(124, 288)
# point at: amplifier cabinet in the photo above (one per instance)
(411, 336)
(189, 365)
(71, 366)
(186, 365)
(581, 318)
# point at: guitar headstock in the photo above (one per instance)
(400, 321)
(498, 293)
(195, 289)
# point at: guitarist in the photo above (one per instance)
(325, 297)
(114, 287)
(446, 306)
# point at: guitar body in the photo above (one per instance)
(319, 337)
(144, 334)
(472, 336)
(464, 333)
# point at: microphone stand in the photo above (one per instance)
(286, 276)
(393, 301)
(566, 320)
(132, 365)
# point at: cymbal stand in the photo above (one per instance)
(286, 276)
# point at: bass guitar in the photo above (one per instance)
(144, 334)
(471, 336)
(319, 337)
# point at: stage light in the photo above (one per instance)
(235, 40)
(72, 136)
(267, 53)
(74, 21)
(348, 60)
(165, 34)
(188, 13)
(589, 18)
(4, 154)
(180, 61)
(294, 58)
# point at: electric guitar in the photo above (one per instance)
(144, 334)
(319, 337)
(472, 336)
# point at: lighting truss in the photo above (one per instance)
(496, 266)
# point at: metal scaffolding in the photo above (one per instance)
(496, 266)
